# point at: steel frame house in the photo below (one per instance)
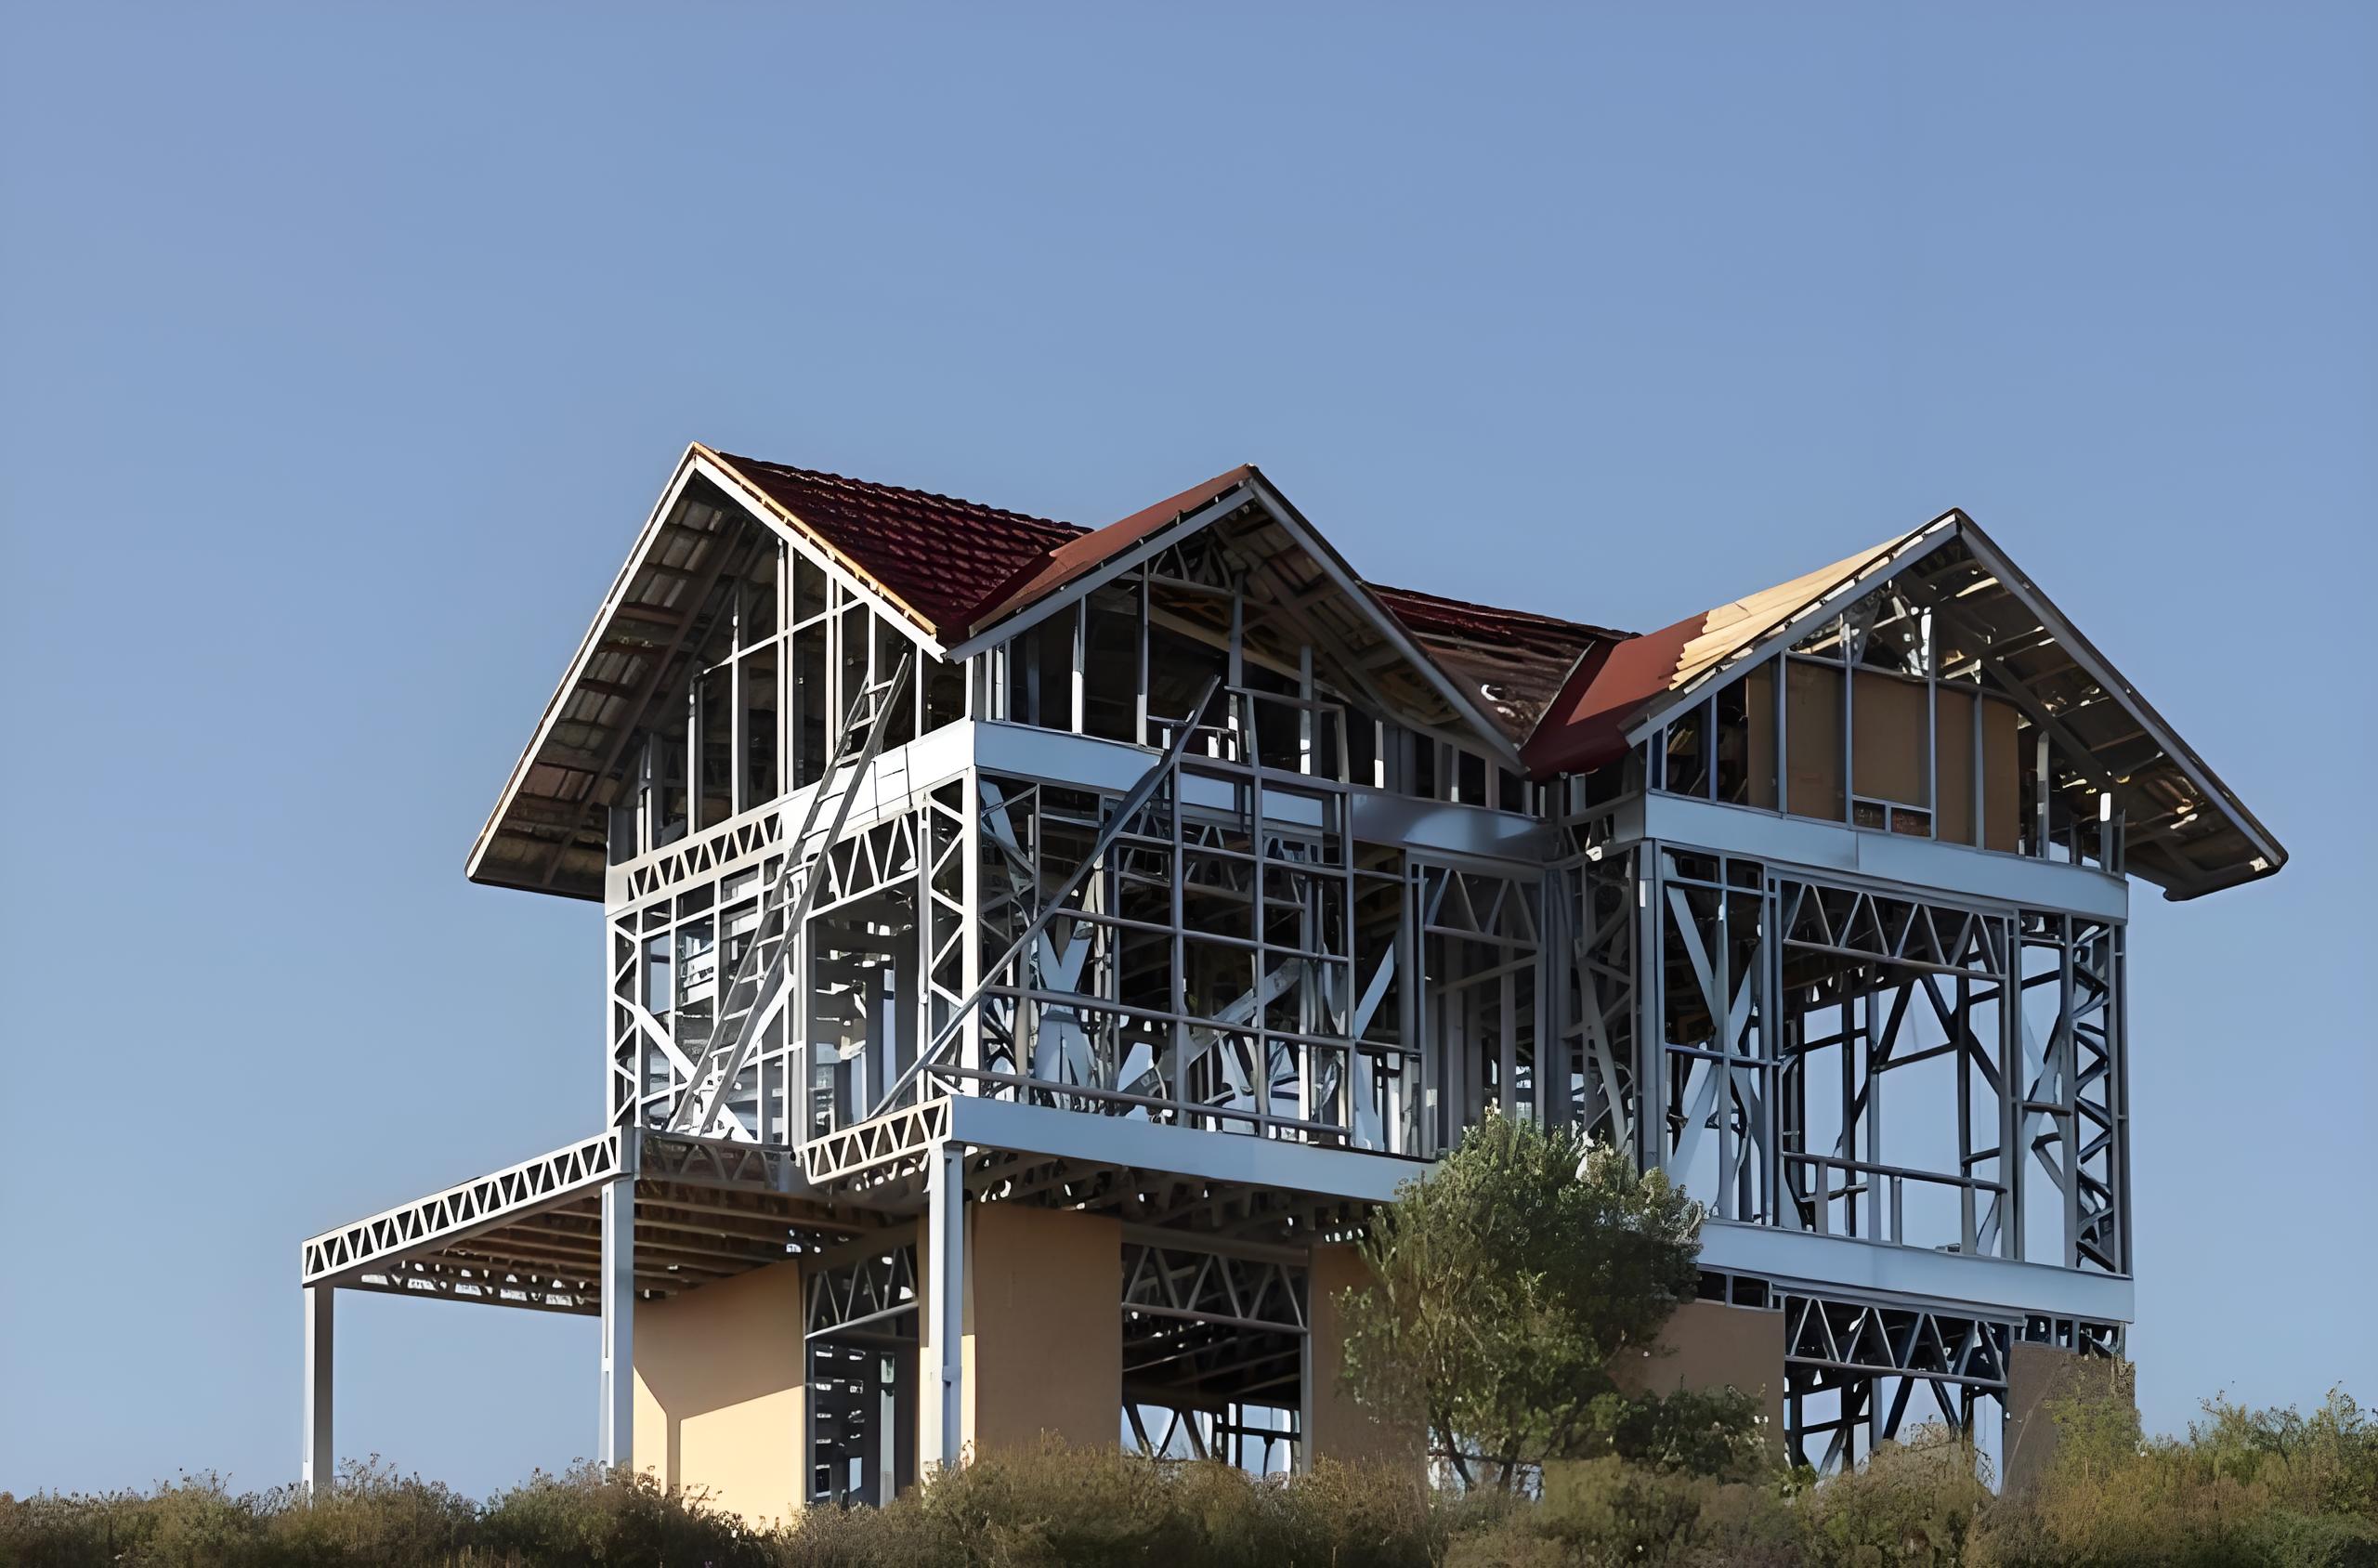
(1032, 950)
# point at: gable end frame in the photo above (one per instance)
(698, 464)
(1255, 488)
(1957, 525)
(1912, 547)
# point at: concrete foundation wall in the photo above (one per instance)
(1044, 1326)
(719, 1391)
(1709, 1345)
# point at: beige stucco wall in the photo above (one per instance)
(1708, 1345)
(719, 1390)
(1341, 1428)
(1044, 1326)
(2037, 1378)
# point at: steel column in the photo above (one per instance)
(319, 1464)
(946, 1293)
(615, 1434)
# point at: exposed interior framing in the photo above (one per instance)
(1169, 876)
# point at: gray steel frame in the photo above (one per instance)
(1208, 941)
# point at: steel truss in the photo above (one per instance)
(861, 1310)
(878, 894)
(873, 1287)
(1214, 1352)
(1853, 1061)
(531, 1234)
(1859, 1372)
(458, 1210)
(1598, 1030)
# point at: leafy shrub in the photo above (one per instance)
(372, 1516)
(589, 1515)
(1054, 1507)
(1507, 1284)
(1914, 1502)
(196, 1522)
(2244, 1489)
(1611, 1511)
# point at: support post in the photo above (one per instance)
(319, 1466)
(946, 1293)
(616, 1438)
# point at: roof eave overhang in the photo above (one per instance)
(475, 868)
(1914, 547)
(2084, 653)
(698, 463)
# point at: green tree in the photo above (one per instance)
(1509, 1286)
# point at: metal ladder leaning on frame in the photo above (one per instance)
(756, 993)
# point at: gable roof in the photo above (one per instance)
(935, 556)
(1088, 549)
(1586, 725)
(2186, 830)
(1516, 659)
(1565, 694)
(948, 565)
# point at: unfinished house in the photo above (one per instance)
(1030, 952)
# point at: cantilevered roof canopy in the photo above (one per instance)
(2186, 831)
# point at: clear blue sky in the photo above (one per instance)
(342, 351)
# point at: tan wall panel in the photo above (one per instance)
(1044, 1326)
(1812, 741)
(1955, 820)
(2002, 776)
(1341, 1429)
(1710, 1345)
(719, 1388)
(2040, 1376)
(1758, 712)
(1888, 739)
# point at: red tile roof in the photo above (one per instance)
(959, 565)
(938, 555)
(1514, 659)
(1086, 549)
(1585, 724)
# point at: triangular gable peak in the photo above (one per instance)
(1990, 629)
(918, 560)
(1238, 528)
